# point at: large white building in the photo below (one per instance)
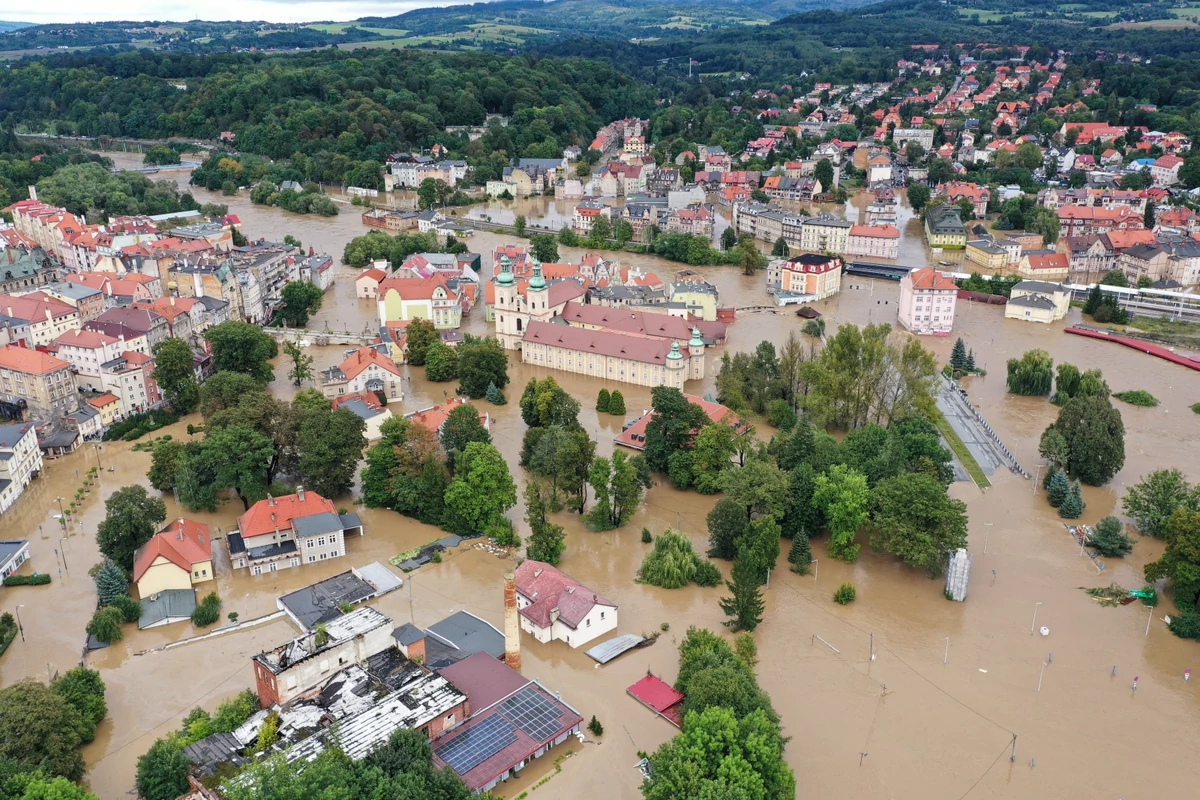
(927, 300)
(20, 461)
(553, 605)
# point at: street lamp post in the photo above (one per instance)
(96, 447)
(63, 548)
(986, 525)
(62, 512)
(20, 627)
(946, 657)
(1034, 623)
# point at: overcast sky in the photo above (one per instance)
(269, 10)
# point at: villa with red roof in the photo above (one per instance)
(282, 532)
(634, 436)
(177, 557)
(367, 369)
(435, 417)
(553, 605)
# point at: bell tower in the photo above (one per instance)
(696, 355)
(508, 327)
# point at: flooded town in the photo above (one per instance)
(1029, 688)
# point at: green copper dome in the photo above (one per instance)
(537, 281)
(675, 355)
(505, 278)
(696, 340)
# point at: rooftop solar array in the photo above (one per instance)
(533, 713)
(477, 744)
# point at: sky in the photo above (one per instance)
(268, 10)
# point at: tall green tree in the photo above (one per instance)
(111, 581)
(780, 250)
(726, 524)
(301, 299)
(760, 487)
(301, 370)
(131, 519)
(420, 335)
(482, 362)
(331, 444)
(673, 423)
(441, 363)
(544, 403)
(84, 689)
(226, 390)
(544, 248)
(617, 486)
(712, 454)
(462, 427)
(547, 541)
(744, 606)
(242, 347)
(844, 498)
(482, 489)
(913, 517)
(239, 457)
(823, 174)
(1095, 436)
(1031, 374)
(162, 771)
(42, 730)
(1180, 561)
(1152, 501)
(175, 374)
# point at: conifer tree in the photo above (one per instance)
(110, 582)
(603, 401)
(616, 403)
(800, 554)
(745, 607)
(1059, 489)
(495, 396)
(970, 365)
(958, 356)
(1073, 505)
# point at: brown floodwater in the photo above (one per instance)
(928, 729)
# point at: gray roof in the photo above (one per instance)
(945, 218)
(213, 751)
(466, 634)
(408, 633)
(607, 651)
(11, 434)
(350, 521)
(10, 548)
(63, 438)
(360, 408)
(167, 605)
(313, 524)
(1032, 301)
(1040, 286)
(76, 291)
(319, 602)
(271, 550)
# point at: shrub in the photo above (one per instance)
(1109, 538)
(1196, 408)
(616, 403)
(208, 612)
(139, 425)
(707, 574)
(845, 594)
(672, 563)
(106, 625)
(647, 537)
(780, 414)
(110, 581)
(37, 579)
(595, 727)
(1186, 625)
(131, 610)
(1137, 397)
(602, 401)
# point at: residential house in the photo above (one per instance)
(13, 553)
(695, 220)
(45, 316)
(88, 301)
(700, 298)
(824, 233)
(366, 285)
(434, 417)
(944, 227)
(86, 350)
(986, 254)
(1084, 220)
(107, 406)
(20, 463)
(1088, 258)
(366, 406)
(978, 196)
(130, 376)
(21, 270)
(554, 606)
(927, 300)
(365, 370)
(178, 557)
(1044, 266)
(813, 274)
(1038, 301)
(1165, 170)
(431, 298)
(40, 383)
(874, 241)
(144, 321)
(282, 532)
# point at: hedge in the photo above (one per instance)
(38, 579)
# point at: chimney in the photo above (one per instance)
(300, 493)
(512, 627)
(416, 650)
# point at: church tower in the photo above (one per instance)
(538, 295)
(696, 353)
(676, 368)
(508, 316)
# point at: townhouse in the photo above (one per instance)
(38, 382)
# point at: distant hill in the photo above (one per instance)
(5, 27)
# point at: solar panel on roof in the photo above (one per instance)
(533, 713)
(477, 744)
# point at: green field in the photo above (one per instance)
(336, 28)
(479, 33)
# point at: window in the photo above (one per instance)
(274, 566)
(311, 559)
(256, 569)
(601, 615)
(320, 541)
(589, 623)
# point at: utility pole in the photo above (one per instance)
(411, 617)
(1013, 757)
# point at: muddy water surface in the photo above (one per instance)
(928, 729)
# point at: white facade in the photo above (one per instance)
(927, 302)
(599, 621)
(20, 459)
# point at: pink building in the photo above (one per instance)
(927, 299)
(879, 241)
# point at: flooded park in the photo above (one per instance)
(904, 695)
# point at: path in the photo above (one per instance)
(974, 431)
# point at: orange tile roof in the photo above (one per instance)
(930, 278)
(1047, 261)
(103, 400)
(416, 288)
(31, 362)
(364, 357)
(877, 231)
(184, 542)
(374, 273)
(82, 338)
(435, 416)
(277, 513)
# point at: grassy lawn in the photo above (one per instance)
(960, 450)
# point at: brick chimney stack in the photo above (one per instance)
(512, 626)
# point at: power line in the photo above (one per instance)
(985, 772)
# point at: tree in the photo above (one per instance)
(131, 519)
(800, 553)
(239, 458)
(595, 727)
(563, 456)
(1059, 489)
(745, 605)
(1095, 436)
(712, 454)
(482, 490)
(760, 487)
(544, 403)
(918, 196)
(242, 347)
(602, 400)
(175, 374)
(208, 611)
(1054, 447)
(482, 361)
(131, 610)
(726, 524)
(602, 230)
(728, 238)
(84, 690)
(1115, 277)
(301, 370)
(226, 390)
(462, 427)
(547, 541)
(941, 170)
(823, 174)
(38, 788)
(441, 362)
(1148, 220)
(1031, 374)
(1066, 383)
(42, 730)
(749, 257)
(616, 403)
(330, 443)
(301, 299)
(1040, 219)
(1189, 173)
(623, 231)
(1152, 501)
(780, 249)
(912, 517)
(958, 355)
(617, 486)
(105, 625)
(1109, 538)
(673, 423)
(567, 237)
(1180, 561)
(519, 225)
(672, 563)
(162, 771)
(432, 192)
(110, 581)
(544, 248)
(1029, 156)
(420, 335)
(844, 499)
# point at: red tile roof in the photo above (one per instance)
(547, 589)
(277, 513)
(29, 361)
(930, 278)
(635, 435)
(602, 342)
(416, 288)
(364, 357)
(435, 416)
(661, 326)
(659, 696)
(1056, 261)
(100, 401)
(82, 338)
(184, 542)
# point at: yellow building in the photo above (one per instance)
(944, 227)
(178, 557)
(1044, 266)
(986, 254)
(108, 406)
(700, 298)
